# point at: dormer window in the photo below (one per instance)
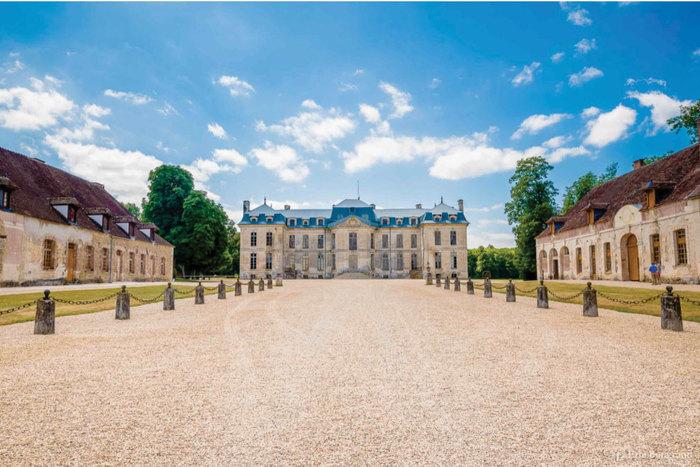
(149, 230)
(555, 223)
(127, 225)
(413, 221)
(453, 217)
(100, 216)
(292, 222)
(399, 221)
(437, 217)
(595, 212)
(320, 221)
(5, 199)
(6, 188)
(269, 219)
(657, 192)
(385, 221)
(66, 207)
(304, 222)
(253, 219)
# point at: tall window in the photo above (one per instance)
(268, 239)
(5, 199)
(655, 249)
(292, 241)
(320, 242)
(105, 259)
(414, 261)
(352, 239)
(305, 242)
(591, 250)
(132, 260)
(371, 261)
(681, 248)
(579, 261)
(399, 262)
(305, 262)
(253, 239)
(333, 261)
(385, 241)
(414, 241)
(385, 261)
(90, 258)
(608, 257)
(268, 261)
(143, 264)
(437, 237)
(253, 261)
(453, 237)
(371, 241)
(162, 266)
(49, 246)
(333, 241)
(320, 262)
(454, 261)
(399, 241)
(438, 261)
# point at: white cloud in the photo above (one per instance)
(589, 112)
(493, 207)
(370, 113)
(167, 109)
(610, 126)
(235, 85)
(526, 75)
(13, 67)
(696, 52)
(579, 17)
(94, 110)
(231, 156)
(345, 87)
(662, 107)
(313, 130)
(400, 100)
(497, 239)
(585, 75)
(217, 130)
(649, 81)
(556, 142)
(359, 72)
(282, 160)
(558, 57)
(585, 45)
(560, 154)
(435, 83)
(536, 123)
(130, 97)
(26, 109)
(310, 104)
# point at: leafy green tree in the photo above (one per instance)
(202, 237)
(687, 121)
(651, 159)
(133, 209)
(584, 184)
(169, 186)
(233, 249)
(532, 203)
(500, 262)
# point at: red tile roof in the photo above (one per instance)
(680, 172)
(39, 184)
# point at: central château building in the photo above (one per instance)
(353, 239)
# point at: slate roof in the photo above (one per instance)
(679, 172)
(38, 184)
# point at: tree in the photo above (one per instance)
(169, 186)
(133, 209)
(584, 184)
(532, 203)
(233, 249)
(202, 237)
(651, 159)
(687, 121)
(500, 262)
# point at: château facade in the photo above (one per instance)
(353, 239)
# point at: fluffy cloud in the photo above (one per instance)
(94, 110)
(556, 142)
(526, 75)
(662, 107)
(370, 113)
(235, 85)
(32, 109)
(310, 104)
(649, 81)
(497, 239)
(314, 129)
(216, 130)
(230, 156)
(282, 160)
(585, 45)
(435, 83)
(590, 112)
(579, 17)
(585, 75)
(559, 154)
(130, 97)
(536, 123)
(401, 101)
(610, 126)
(557, 57)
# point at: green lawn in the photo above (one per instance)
(62, 309)
(691, 312)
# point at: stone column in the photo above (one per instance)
(470, 286)
(269, 282)
(458, 286)
(447, 283)
(237, 288)
(169, 298)
(488, 293)
(199, 295)
(251, 286)
(671, 311)
(590, 301)
(261, 285)
(542, 296)
(510, 291)
(45, 318)
(428, 279)
(123, 309)
(438, 280)
(221, 290)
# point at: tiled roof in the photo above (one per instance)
(679, 172)
(39, 184)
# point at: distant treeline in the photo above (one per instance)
(500, 262)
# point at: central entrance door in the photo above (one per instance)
(632, 258)
(70, 262)
(352, 263)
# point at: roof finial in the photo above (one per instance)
(441, 200)
(265, 200)
(358, 189)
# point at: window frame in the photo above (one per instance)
(681, 242)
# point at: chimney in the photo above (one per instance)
(419, 206)
(287, 207)
(460, 205)
(246, 206)
(638, 164)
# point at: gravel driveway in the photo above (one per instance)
(360, 372)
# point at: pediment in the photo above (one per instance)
(352, 222)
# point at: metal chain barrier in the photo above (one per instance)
(85, 302)
(629, 302)
(496, 286)
(211, 288)
(565, 298)
(184, 292)
(17, 308)
(683, 299)
(147, 300)
(525, 290)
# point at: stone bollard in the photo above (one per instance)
(447, 283)
(542, 296)
(169, 298)
(251, 286)
(269, 282)
(488, 293)
(45, 318)
(590, 302)
(199, 295)
(470, 286)
(123, 308)
(458, 286)
(510, 291)
(671, 311)
(261, 285)
(428, 279)
(438, 280)
(278, 281)
(237, 288)
(221, 290)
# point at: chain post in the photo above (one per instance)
(123, 306)
(45, 318)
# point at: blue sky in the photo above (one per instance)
(298, 102)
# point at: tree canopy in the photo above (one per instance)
(687, 121)
(169, 186)
(500, 262)
(585, 183)
(133, 209)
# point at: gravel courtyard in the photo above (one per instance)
(351, 372)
